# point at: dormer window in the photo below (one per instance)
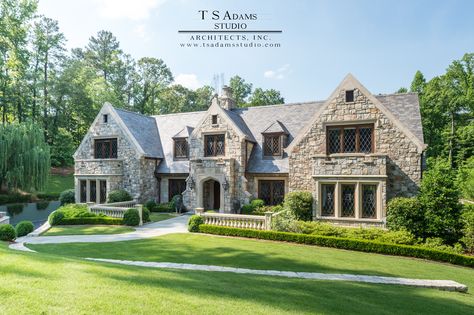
(272, 145)
(214, 119)
(349, 96)
(105, 118)
(181, 148)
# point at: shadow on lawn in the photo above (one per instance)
(295, 295)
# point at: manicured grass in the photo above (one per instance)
(58, 183)
(155, 217)
(87, 230)
(52, 284)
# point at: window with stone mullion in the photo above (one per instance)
(272, 145)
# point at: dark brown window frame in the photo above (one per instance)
(215, 140)
(280, 146)
(341, 137)
(111, 154)
(347, 94)
(180, 157)
(271, 182)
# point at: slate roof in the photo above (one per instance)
(252, 121)
(143, 129)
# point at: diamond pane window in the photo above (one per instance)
(369, 201)
(214, 145)
(105, 148)
(92, 191)
(272, 145)
(181, 148)
(327, 196)
(349, 139)
(348, 200)
(271, 192)
(83, 190)
(103, 191)
(365, 139)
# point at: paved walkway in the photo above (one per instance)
(447, 285)
(174, 225)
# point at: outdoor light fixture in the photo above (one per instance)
(191, 183)
(225, 184)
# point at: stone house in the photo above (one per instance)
(353, 151)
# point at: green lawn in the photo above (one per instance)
(87, 230)
(58, 183)
(259, 294)
(155, 217)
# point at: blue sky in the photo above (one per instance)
(381, 42)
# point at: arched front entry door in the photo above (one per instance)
(211, 195)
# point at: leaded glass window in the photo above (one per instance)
(348, 200)
(105, 148)
(369, 205)
(92, 191)
(328, 201)
(181, 148)
(271, 192)
(83, 190)
(272, 145)
(103, 190)
(349, 139)
(214, 145)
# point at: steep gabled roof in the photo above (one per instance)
(184, 133)
(276, 127)
(144, 130)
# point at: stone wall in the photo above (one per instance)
(403, 161)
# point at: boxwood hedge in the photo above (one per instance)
(343, 243)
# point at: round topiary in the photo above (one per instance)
(194, 222)
(55, 217)
(145, 214)
(67, 196)
(131, 217)
(23, 228)
(7, 232)
(257, 203)
(119, 195)
(151, 205)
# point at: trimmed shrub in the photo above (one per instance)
(468, 227)
(56, 217)
(257, 203)
(246, 209)
(164, 207)
(300, 203)
(131, 217)
(7, 232)
(104, 220)
(438, 243)
(262, 210)
(48, 196)
(41, 205)
(343, 243)
(23, 228)
(145, 214)
(151, 205)
(194, 222)
(285, 221)
(406, 214)
(119, 195)
(14, 198)
(253, 206)
(67, 196)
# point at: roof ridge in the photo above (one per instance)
(392, 94)
(132, 112)
(284, 104)
(176, 114)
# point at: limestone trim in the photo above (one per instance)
(350, 82)
(108, 109)
(358, 199)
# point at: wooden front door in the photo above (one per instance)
(217, 195)
(176, 187)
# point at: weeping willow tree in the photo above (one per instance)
(24, 157)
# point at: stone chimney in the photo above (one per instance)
(226, 100)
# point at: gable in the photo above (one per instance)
(351, 83)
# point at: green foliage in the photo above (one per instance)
(300, 203)
(177, 202)
(48, 196)
(150, 205)
(41, 205)
(7, 232)
(24, 155)
(23, 228)
(261, 97)
(263, 209)
(343, 243)
(56, 217)
(465, 179)
(439, 197)
(406, 214)
(247, 209)
(252, 207)
(240, 90)
(67, 196)
(14, 197)
(92, 220)
(145, 214)
(438, 244)
(468, 227)
(285, 221)
(131, 217)
(15, 208)
(63, 148)
(194, 222)
(119, 195)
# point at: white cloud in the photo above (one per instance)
(278, 74)
(189, 81)
(140, 31)
(128, 9)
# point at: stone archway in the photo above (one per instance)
(211, 194)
